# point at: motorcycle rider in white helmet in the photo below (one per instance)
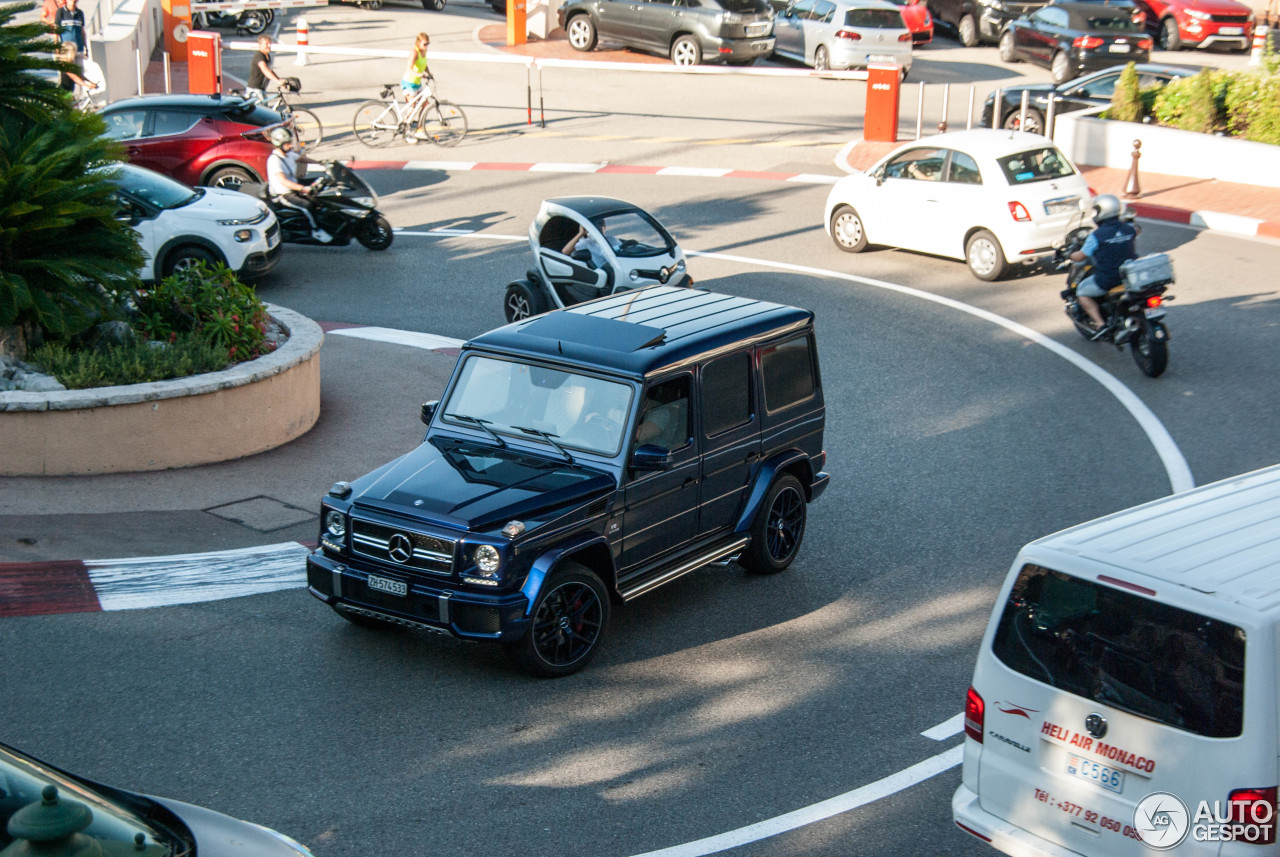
(1112, 242)
(282, 179)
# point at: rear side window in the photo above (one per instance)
(788, 373)
(165, 123)
(1035, 165)
(726, 393)
(1120, 649)
(877, 19)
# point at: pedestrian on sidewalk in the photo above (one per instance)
(49, 13)
(70, 23)
(260, 71)
(417, 74)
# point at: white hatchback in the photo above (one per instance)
(993, 198)
(841, 34)
(178, 226)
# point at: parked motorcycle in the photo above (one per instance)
(250, 21)
(1135, 308)
(343, 205)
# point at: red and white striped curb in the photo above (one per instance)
(587, 169)
(1214, 221)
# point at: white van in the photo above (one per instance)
(1125, 696)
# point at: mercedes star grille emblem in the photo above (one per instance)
(400, 548)
(1096, 725)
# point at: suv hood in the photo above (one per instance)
(475, 486)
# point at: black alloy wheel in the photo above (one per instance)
(569, 621)
(778, 528)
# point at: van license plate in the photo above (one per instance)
(387, 585)
(1100, 775)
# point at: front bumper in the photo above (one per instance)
(1209, 39)
(261, 261)
(731, 50)
(434, 606)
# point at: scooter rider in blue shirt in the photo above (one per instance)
(1112, 243)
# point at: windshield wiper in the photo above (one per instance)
(549, 438)
(483, 424)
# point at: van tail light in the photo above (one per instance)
(1145, 44)
(975, 716)
(905, 37)
(1086, 42)
(1253, 815)
(1019, 212)
(1154, 301)
(848, 34)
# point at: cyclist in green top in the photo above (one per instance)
(417, 73)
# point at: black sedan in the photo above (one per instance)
(1092, 90)
(1072, 38)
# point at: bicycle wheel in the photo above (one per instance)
(308, 127)
(376, 123)
(444, 123)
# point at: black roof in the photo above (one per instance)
(640, 331)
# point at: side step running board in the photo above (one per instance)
(723, 552)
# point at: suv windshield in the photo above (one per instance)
(580, 411)
(1109, 646)
(1035, 165)
(633, 234)
(22, 782)
(160, 191)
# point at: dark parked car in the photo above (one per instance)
(583, 457)
(1072, 38)
(1093, 90)
(44, 810)
(210, 140)
(689, 31)
(979, 21)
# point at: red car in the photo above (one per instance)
(1199, 23)
(197, 139)
(915, 14)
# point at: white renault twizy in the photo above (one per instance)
(589, 246)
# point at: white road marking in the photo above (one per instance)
(945, 729)
(814, 178)
(861, 796)
(429, 341)
(163, 581)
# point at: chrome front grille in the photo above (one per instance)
(403, 548)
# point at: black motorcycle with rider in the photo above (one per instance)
(329, 211)
(1112, 294)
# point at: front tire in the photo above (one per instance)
(185, 258)
(1034, 123)
(985, 256)
(1151, 354)
(569, 621)
(1007, 52)
(523, 300)
(967, 31)
(582, 33)
(375, 123)
(433, 5)
(821, 61)
(778, 529)
(375, 233)
(307, 126)
(847, 230)
(1170, 38)
(686, 52)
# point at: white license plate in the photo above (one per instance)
(1231, 31)
(387, 585)
(1154, 312)
(1100, 775)
(881, 58)
(1062, 206)
(757, 30)
(1118, 49)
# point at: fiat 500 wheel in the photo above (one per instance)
(847, 230)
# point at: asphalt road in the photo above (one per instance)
(719, 701)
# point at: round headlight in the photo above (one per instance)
(335, 523)
(487, 560)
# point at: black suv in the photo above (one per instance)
(583, 457)
(689, 31)
(975, 21)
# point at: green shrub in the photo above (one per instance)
(1252, 106)
(210, 301)
(1126, 100)
(1201, 110)
(133, 363)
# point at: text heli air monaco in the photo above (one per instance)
(1125, 699)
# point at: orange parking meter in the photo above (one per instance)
(881, 122)
(177, 24)
(204, 62)
(517, 30)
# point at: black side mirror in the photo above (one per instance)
(428, 411)
(651, 457)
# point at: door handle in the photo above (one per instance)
(689, 480)
(751, 456)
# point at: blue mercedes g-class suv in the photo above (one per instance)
(582, 458)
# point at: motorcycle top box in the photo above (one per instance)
(1146, 271)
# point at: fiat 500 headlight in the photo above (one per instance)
(488, 560)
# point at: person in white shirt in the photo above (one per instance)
(282, 179)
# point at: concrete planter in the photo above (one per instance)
(249, 408)
(1096, 142)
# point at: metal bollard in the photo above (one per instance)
(920, 113)
(973, 88)
(1132, 190)
(946, 102)
(1022, 109)
(168, 77)
(1049, 114)
(997, 107)
(1260, 34)
(138, 58)
(302, 41)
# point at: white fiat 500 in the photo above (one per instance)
(993, 198)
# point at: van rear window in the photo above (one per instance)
(1125, 651)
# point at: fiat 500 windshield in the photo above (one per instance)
(508, 397)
